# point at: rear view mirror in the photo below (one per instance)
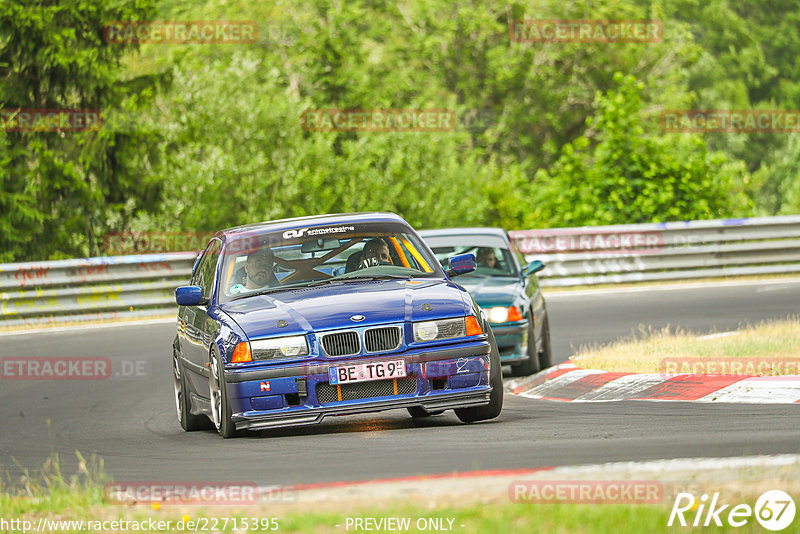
(462, 264)
(532, 267)
(319, 244)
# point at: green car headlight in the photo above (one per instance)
(498, 314)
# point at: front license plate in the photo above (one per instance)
(364, 372)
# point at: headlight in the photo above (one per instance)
(498, 314)
(442, 329)
(279, 347)
(502, 314)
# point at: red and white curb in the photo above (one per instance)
(567, 382)
(703, 474)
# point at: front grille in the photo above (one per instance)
(382, 339)
(341, 344)
(366, 390)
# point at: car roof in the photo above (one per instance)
(313, 220)
(463, 231)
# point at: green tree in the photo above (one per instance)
(778, 181)
(619, 173)
(748, 60)
(20, 215)
(232, 156)
(68, 189)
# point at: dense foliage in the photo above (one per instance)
(63, 190)
(202, 136)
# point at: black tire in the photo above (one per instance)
(417, 412)
(531, 365)
(188, 421)
(546, 356)
(220, 406)
(495, 406)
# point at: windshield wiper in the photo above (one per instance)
(289, 287)
(325, 282)
(371, 277)
(260, 292)
(321, 282)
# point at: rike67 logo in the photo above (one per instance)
(774, 510)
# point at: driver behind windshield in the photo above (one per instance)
(486, 258)
(376, 252)
(258, 272)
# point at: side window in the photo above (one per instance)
(206, 269)
(198, 270)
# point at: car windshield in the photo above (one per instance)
(261, 261)
(491, 252)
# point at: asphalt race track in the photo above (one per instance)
(130, 420)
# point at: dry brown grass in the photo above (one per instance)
(765, 348)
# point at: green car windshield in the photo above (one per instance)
(491, 253)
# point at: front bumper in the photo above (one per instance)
(512, 341)
(459, 399)
(437, 379)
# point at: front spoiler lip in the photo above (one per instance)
(444, 401)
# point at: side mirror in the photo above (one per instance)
(462, 264)
(190, 296)
(532, 267)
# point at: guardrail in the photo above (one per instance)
(91, 288)
(664, 251)
(121, 286)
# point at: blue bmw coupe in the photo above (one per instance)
(289, 321)
(507, 288)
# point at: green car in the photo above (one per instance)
(506, 289)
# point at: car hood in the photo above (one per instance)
(492, 291)
(332, 306)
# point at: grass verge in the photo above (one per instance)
(482, 507)
(769, 348)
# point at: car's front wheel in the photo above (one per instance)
(189, 421)
(495, 406)
(546, 356)
(220, 405)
